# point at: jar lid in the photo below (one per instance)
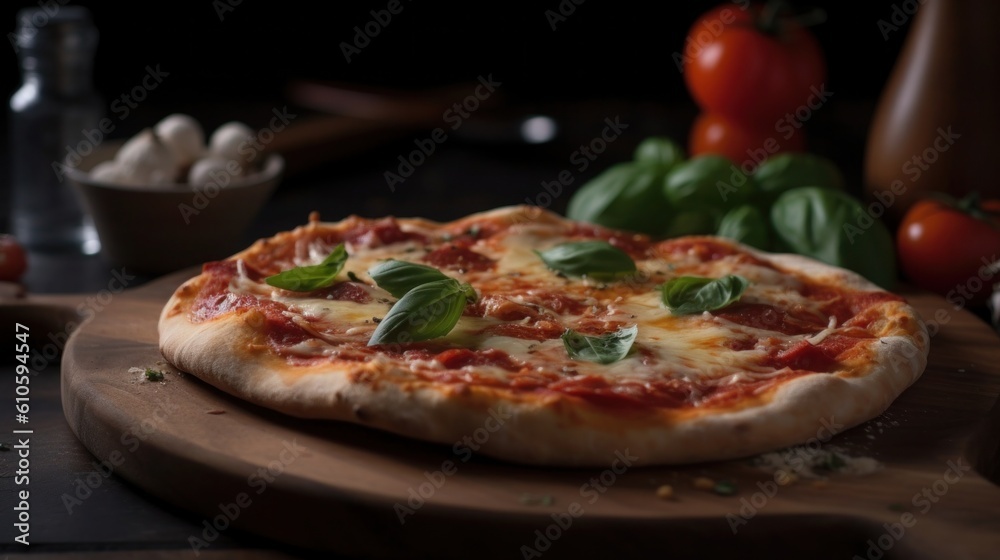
(55, 28)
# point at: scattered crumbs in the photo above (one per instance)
(4, 446)
(704, 483)
(897, 507)
(724, 488)
(147, 374)
(814, 463)
(785, 478)
(665, 492)
(536, 499)
(832, 462)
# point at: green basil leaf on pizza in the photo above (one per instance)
(592, 259)
(311, 277)
(686, 295)
(603, 349)
(399, 277)
(427, 311)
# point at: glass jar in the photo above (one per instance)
(51, 114)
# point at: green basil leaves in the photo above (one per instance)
(685, 295)
(430, 303)
(594, 259)
(399, 277)
(312, 277)
(427, 311)
(834, 227)
(604, 349)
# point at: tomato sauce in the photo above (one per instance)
(215, 299)
(344, 291)
(821, 357)
(845, 304)
(457, 358)
(459, 258)
(636, 245)
(542, 330)
(381, 232)
(771, 318)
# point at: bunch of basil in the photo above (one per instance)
(791, 203)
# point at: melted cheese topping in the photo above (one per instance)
(683, 348)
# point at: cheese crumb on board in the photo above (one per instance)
(815, 463)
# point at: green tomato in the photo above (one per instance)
(625, 196)
(748, 225)
(788, 171)
(825, 224)
(708, 183)
(660, 151)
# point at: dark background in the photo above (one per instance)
(605, 59)
(603, 49)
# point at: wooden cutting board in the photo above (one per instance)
(345, 488)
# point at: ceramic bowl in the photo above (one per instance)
(156, 229)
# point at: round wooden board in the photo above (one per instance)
(357, 491)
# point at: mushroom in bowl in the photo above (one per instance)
(165, 199)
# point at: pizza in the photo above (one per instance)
(546, 341)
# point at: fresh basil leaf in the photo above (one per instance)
(747, 225)
(425, 312)
(595, 259)
(604, 349)
(624, 196)
(312, 277)
(834, 227)
(399, 277)
(692, 294)
(659, 151)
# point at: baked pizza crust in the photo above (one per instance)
(552, 429)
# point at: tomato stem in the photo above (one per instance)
(813, 17)
(767, 22)
(970, 204)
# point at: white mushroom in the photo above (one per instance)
(212, 169)
(108, 172)
(233, 141)
(145, 159)
(184, 136)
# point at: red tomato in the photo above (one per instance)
(13, 260)
(737, 65)
(947, 250)
(746, 146)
